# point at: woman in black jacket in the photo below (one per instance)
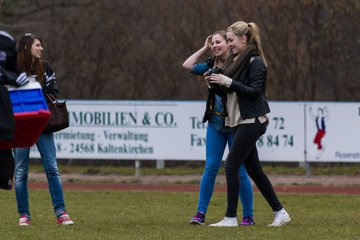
(8, 76)
(29, 61)
(244, 81)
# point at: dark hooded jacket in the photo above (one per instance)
(7, 77)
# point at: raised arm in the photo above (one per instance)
(195, 57)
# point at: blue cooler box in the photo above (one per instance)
(30, 114)
(28, 98)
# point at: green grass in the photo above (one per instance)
(139, 215)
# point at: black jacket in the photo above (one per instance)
(7, 76)
(49, 85)
(210, 102)
(250, 89)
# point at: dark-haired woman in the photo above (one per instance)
(30, 50)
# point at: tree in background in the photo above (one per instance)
(120, 49)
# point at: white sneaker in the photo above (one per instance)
(226, 222)
(281, 218)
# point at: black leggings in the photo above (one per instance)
(243, 150)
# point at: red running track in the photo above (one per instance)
(195, 188)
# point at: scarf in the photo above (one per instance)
(233, 68)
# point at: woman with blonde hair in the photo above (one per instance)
(244, 81)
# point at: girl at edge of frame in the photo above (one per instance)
(244, 81)
(217, 135)
(29, 61)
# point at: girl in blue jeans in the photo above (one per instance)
(46, 147)
(217, 136)
(29, 62)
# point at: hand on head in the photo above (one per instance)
(207, 43)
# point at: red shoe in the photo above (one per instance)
(24, 221)
(64, 219)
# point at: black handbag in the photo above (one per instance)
(59, 118)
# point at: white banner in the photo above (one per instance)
(333, 132)
(133, 130)
(284, 138)
(173, 130)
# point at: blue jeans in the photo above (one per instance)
(215, 147)
(46, 147)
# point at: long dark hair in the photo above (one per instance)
(25, 61)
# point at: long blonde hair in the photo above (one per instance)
(252, 32)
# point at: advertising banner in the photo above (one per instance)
(173, 130)
(133, 130)
(333, 132)
(284, 138)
